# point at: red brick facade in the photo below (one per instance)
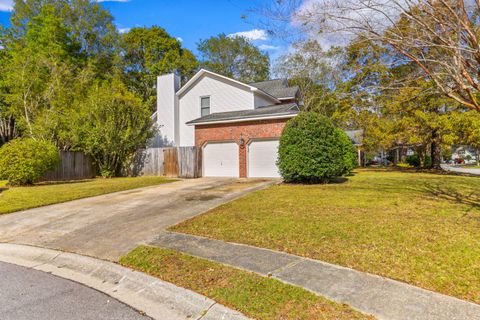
(260, 129)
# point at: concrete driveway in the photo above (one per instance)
(111, 225)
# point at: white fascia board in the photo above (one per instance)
(286, 116)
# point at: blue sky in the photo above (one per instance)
(188, 20)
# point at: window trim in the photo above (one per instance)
(209, 105)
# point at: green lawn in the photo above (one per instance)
(21, 198)
(255, 296)
(471, 166)
(420, 228)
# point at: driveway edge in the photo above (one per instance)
(156, 298)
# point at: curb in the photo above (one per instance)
(371, 294)
(156, 298)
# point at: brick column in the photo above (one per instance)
(243, 159)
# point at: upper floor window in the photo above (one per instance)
(205, 106)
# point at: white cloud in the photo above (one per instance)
(268, 47)
(113, 0)
(123, 30)
(334, 22)
(180, 39)
(255, 34)
(6, 5)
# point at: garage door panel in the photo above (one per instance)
(262, 159)
(221, 160)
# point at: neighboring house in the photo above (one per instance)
(237, 125)
(464, 153)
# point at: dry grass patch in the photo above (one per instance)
(255, 296)
(420, 228)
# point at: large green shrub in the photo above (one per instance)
(313, 150)
(25, 161)
(112, 125)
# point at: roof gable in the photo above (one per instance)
(205, 73)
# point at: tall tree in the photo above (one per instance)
(42, 76)
(8, 126)
(149, 52)
(394, 102)
(440, 36)
(234, 57)
(86, 22)
(313, 70)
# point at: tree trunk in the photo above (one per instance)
(396, 158)
(421, 156)
(477, 153)
(8, 130)
(436, 151)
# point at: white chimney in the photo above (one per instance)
(167, 110)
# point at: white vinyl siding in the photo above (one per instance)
(260, 101)
(262, 159)
(220, 159)
(223, 97)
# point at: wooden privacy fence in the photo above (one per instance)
(170, 162)
(189, 162)
(182, 162)
(73, 166)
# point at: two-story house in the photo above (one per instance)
(237, 125)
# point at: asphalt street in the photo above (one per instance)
(31, 294)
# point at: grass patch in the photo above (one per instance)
(255, 296)
(471, 166)
(22, 198)
(419, 228)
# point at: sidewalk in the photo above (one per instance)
(382, 297)
(156, 298)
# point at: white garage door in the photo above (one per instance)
(262, 158)
(220, 160)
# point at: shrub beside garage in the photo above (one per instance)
(313, 150)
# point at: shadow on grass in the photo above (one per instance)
(3, 189)
(465, 196)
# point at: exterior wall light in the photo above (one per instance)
(242, 141)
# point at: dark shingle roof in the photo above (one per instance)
(274, 110)
(278, 88)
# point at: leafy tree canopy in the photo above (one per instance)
(234, 57)
(88, 24)
(149, 52)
